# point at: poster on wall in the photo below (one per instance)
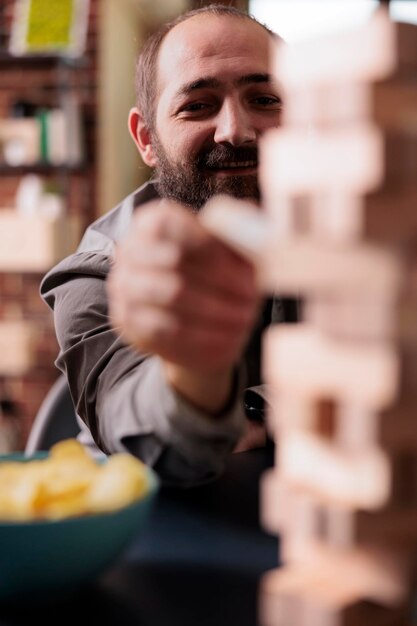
(45, 27)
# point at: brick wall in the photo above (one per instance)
(44, 83)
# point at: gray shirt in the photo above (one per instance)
(120, 394)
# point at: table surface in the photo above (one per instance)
(198, 562)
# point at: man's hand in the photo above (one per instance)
(178, 292)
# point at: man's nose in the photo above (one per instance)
(233, 125)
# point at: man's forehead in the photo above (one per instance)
(206, 37)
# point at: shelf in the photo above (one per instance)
(42, 168)
(41, 61)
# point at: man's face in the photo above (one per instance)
(214, 101)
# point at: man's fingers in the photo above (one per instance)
(144, 255)
(204, 347)
(147, 328)
(219, 267)
(171, 238)
(187, 299)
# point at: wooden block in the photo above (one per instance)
(392, 526)
(357, 427)
(290, 596)
(294, 602)
(306, 267)
(280, 598)
(301, 597)
(355, 318)
(377, 574)
(284, 507)
(34, 244)
(387, 218)
(301, 265)
(341, 525)
(359, 479)
(299, 359)
(377, 50)
(289, 410)
(339, 217)
(349, 426)
(390, 104)
(17, 344)
(273, 509)
(240, 224)
(392, 429)
(357, 160)
(343, 159)
(302, 517)
(362, 319)
(360, 476)
(383, 217)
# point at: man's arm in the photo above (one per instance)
(126, 396)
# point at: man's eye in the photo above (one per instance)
(268, 101)
(194, 107)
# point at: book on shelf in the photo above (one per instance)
(54, 136)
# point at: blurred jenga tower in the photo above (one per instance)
(339, 183)
(341, 178)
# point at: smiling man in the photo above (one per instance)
(212, 100)
(159, 322)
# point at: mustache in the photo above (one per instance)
(216, 155)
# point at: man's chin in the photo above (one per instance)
(238, 186)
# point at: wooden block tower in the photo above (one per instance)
(339, 229)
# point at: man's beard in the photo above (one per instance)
(192, 184)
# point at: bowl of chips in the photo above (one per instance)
(65, 517)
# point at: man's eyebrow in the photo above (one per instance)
(213, 83)
(200, 83)
(248, 79)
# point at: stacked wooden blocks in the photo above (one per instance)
(339, 183)
(343, 173)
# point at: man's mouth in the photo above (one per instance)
(234, 166)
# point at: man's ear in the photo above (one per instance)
(142, 137)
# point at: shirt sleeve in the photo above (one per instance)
(121, 394)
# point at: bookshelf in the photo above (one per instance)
(31, 245)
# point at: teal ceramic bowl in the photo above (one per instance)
(40, 558)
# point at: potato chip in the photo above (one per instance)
(120, 482)
(68, 448)
(68, 483)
